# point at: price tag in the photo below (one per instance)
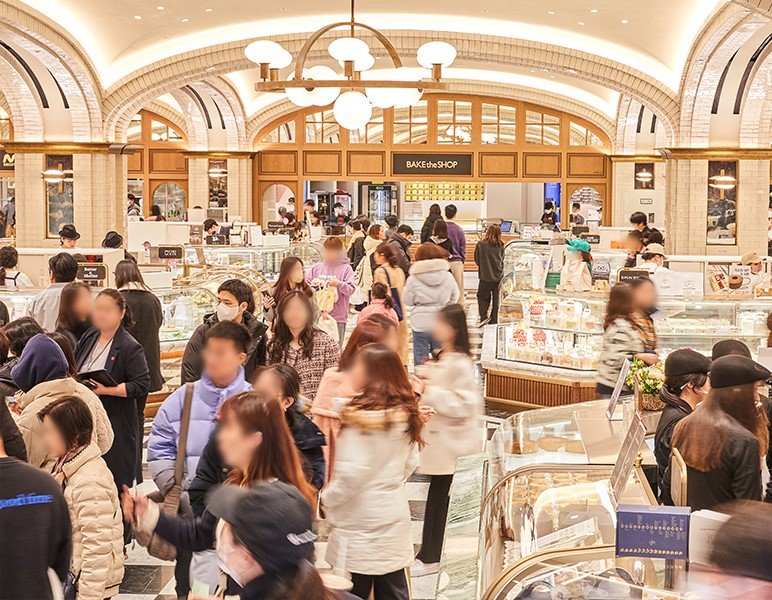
(170, 252)
(578, 230)
(628, 275)
(92, 271)
(591, 238)
(215, 240)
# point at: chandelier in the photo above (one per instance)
(722, 181)
(354, 92)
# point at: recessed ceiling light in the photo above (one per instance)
(137, 17)
(185, 20)
(581, 22)
(159, 7)
(550, 12)
(593, 10)
(552, 77)
(624, 21)
(209, 10)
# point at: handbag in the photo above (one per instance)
(359, 296)
(70, 586)
(170, 502)
(394, 296)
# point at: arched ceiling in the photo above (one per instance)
(652, 37)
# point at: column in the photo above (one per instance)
(31, 207)
(240, 188)
(198, 182)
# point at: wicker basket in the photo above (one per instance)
(648, 402)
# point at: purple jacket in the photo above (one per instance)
(341, 271)
(458, 239)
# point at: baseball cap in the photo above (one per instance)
(578, 244)
(655, 249)
(730, 371)
(272, 520)
(749, 258)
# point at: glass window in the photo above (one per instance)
(218, 183)
(59, 192)
(134, 132)
(411, 124)
(541, 128)
(498, 124)
(372, 133)
(161, 132)
(170, 197)
(136, 187)
(579, 135)
(321, 128)
(454, 122)
(283, 134)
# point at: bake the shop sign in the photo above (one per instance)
(404, 163)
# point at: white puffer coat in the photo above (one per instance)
(97, 524)
(455, 430)
(429, 288)
(366, 500)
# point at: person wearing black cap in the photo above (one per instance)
(686, 385)
(729, 348)
(722, 442)
(68, 236)
(114, 240)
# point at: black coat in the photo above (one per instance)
(12, 440)
(148, 317)
(192, 363)
(211, 470)
(669, 418)
(125, 364)
(8, 386)
(357, 252)
(401, 247)
(738, 477)
(428, 227)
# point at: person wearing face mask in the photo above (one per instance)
(235, 302)
(576, 273)
(292, 276)
(686, 385)
(255, 440)
(549, 217)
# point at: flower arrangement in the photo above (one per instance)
(646, 381)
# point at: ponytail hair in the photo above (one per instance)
(9, 258)
(379, 291)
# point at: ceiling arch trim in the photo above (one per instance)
(756, 113)
(24, 106)
(195, 122)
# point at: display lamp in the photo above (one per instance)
(722, 181)
(644, 176)
(53, 175)
(217, 173)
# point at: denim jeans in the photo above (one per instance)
(423, 344)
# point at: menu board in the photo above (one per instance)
(653, 531)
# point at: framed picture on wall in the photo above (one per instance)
(722, 203)
(59, 192)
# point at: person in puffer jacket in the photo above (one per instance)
(226, 345)
(91, 495)
(429, 288)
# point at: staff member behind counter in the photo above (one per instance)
(758, 276)
(212, 227)
(68, 236)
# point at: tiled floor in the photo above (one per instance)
(148, 578)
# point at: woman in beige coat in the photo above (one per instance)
(366, 500)
(92, 499)
(44, 374)
(450, 389)
(390, 274)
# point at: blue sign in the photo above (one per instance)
(653, 531)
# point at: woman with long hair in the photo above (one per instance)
(141, 301)
(336, 387)
(381, 303)
(489, 258)
(10, 276)
(292, 276)
(440, 236)
(108, 347)
(427, 228)
(448, 387)
(389, 273)
(75, 311)
(298, 343)
(645, 305)
(621, 339)
(366, 500)
(255, 441)
(155, 214)
(723, 441)
(364, 275)
(686, 385)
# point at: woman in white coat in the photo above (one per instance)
(366, 500)
(450, 389)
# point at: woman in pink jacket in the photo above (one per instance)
(381, 303)
(335, 386)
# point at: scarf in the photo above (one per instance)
(644, 325)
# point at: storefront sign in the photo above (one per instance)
(431, 164)
(215, 240)
(92, 272)
(170, 252)
(628, 275)
(7, 161)
(591, 238)
(578, 230)
(653, 531)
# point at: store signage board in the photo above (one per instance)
(215, 240)
(578, 230)
(7, 161)
(628, 275)
(431, 164)
(170, 252)
(196, 234)
(92, 271)
(623, 467)
(528, 232)
(653, 531)
(591, 238)
(614, 400)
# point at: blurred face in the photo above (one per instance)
(331, 255)
(359, 375)
(269, 385)
(83, 304)
(382, 234)
(53, 440)
(645, 296)
(315, 221)
(297, 274)
(237, 446)
(296, 315)
(106, 316)
(390, 339)
(756, 267)
(222, 360)
(443, 332)
(380, 258)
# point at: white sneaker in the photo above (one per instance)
(484, 322)
(421, 569)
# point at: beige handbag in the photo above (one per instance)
(170, 502)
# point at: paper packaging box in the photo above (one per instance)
(653, 531)
(702, 531)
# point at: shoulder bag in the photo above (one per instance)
(397, 301)
(170, 502)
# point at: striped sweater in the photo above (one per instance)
(620, 341)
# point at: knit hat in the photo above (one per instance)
(730, 348)
(578, 245)
(68, 232)
(113, 239)
(686, 362)
(272, 520)
(730, 371)
(41, 360)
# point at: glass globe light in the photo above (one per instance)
(348, 48)
(380, 97)
(299, 96)
(363, 63)
(403, 97)
(322, 96)
(267, 52)
(352, 110)
(436, 53)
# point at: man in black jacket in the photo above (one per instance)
(36, 531)
(401, 242)
(235, 302)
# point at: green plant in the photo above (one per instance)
(649, 379)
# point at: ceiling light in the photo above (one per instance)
(644, 176)
(581, 22)
(352, 110)
(53, 175)
(624, 21)
(185, 20)
(593, 10)
(218, 173)
(209, 10)
(348, 49)
(159, 7)
(722, 181)
(550, 12)
(137, 17)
